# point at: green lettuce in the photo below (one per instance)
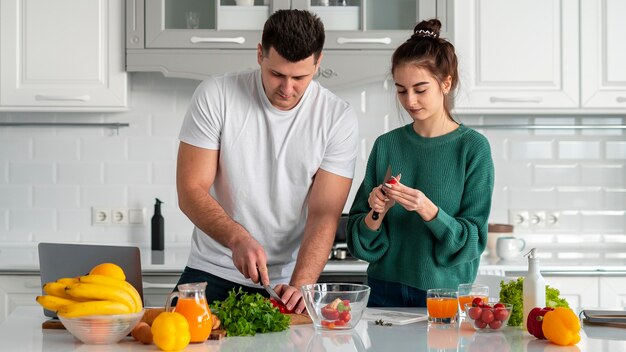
(512, 293)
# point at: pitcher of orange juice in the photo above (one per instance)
(192, 305)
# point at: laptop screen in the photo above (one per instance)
(57, 260)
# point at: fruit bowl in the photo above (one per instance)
(101, 329)
(335, 306)
(491, 317)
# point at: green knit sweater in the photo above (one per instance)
(455, 171)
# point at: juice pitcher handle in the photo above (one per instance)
(168, 302)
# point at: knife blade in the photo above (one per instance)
(387, 177)
(272, 293)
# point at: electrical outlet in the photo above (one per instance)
(100, 216)
(519, 218)
(538, 219)
(552, 219)
(119, 216)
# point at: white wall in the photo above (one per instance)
(51, 177)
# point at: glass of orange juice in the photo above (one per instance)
(442, 305)
(467, 293)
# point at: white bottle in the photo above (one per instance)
(534, 289)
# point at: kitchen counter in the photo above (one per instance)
(22, 332)
(591, 260)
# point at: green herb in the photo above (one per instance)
(242, 313)
(512, 293)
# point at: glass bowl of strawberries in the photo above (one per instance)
(335, 306)
(490, 316)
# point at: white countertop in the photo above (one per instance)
(22, 332)
(593, 260)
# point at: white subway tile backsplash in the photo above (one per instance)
(604, 221)
(140, 125)
(580, 198)
(80, 173)
(112, 148)
(56, 237)
(4, 173)
(55, 148)
(15, 196)
(153, 148)
(4, 222)
(12, 148)
(555, 121)
(167, 125)
(615, 198)
(615, 149)
(164, 173)
(55, 196)
(603, 175)
(74, 219)
(31, 172)
(20, 237)
(126, 173)
(145, 194)
(578, 150)
(514, 175)
(533, 198)
(105, 196)
(527, 150)
(30, 220)
(596, 120)
(557, 175)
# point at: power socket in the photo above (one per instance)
(100, 216)
(117, 216)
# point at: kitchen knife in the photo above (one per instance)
(387, 177)
(272, 293)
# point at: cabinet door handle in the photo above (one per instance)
(621, 99)
(343, 40)
(40, 97)
(154, 285)
(515, 100)
(236, 40)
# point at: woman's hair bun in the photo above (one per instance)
(426, 29)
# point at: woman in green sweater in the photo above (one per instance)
(432, 223)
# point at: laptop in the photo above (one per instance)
(57, 260)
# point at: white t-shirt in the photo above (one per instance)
(267, 161)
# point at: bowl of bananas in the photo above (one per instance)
(99, 308)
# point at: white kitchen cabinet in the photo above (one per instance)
(517, 54)
(603, 54)
(18, 290)
(579, 291)
(156, 288)
(360, 37)
(62, 55)
(613, 291)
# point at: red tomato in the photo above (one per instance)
(496, 324)
(498, 305)
(501, 314)
(345, 316)
(328, 324)
(478, 302)
(346, 302)
(341, 323)
(480, 324)
(475, 313)
(330, 313)
(281, 308)
(487, 316)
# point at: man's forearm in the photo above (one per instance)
(209, 216)
(313, 255)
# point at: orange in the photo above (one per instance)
(108, 269)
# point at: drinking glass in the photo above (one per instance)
(467, 293)
(442, 305)
(193, 19)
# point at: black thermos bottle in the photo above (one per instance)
(157, 227)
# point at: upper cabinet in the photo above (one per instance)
(197, 38)
(62, 55)
(519, 56)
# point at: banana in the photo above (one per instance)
(56, 289)
(53, 303)
(88, 291)
(111, 281)
(80, 309)
(67, 280)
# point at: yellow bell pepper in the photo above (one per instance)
(170, 331)
(561, 326)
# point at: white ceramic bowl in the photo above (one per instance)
(319, 299)
(101, 329)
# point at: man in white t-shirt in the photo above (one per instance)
(265, 165)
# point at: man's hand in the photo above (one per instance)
(250, 259)
(292, 297)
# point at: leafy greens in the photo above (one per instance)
(243, 313)
(512, 293)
